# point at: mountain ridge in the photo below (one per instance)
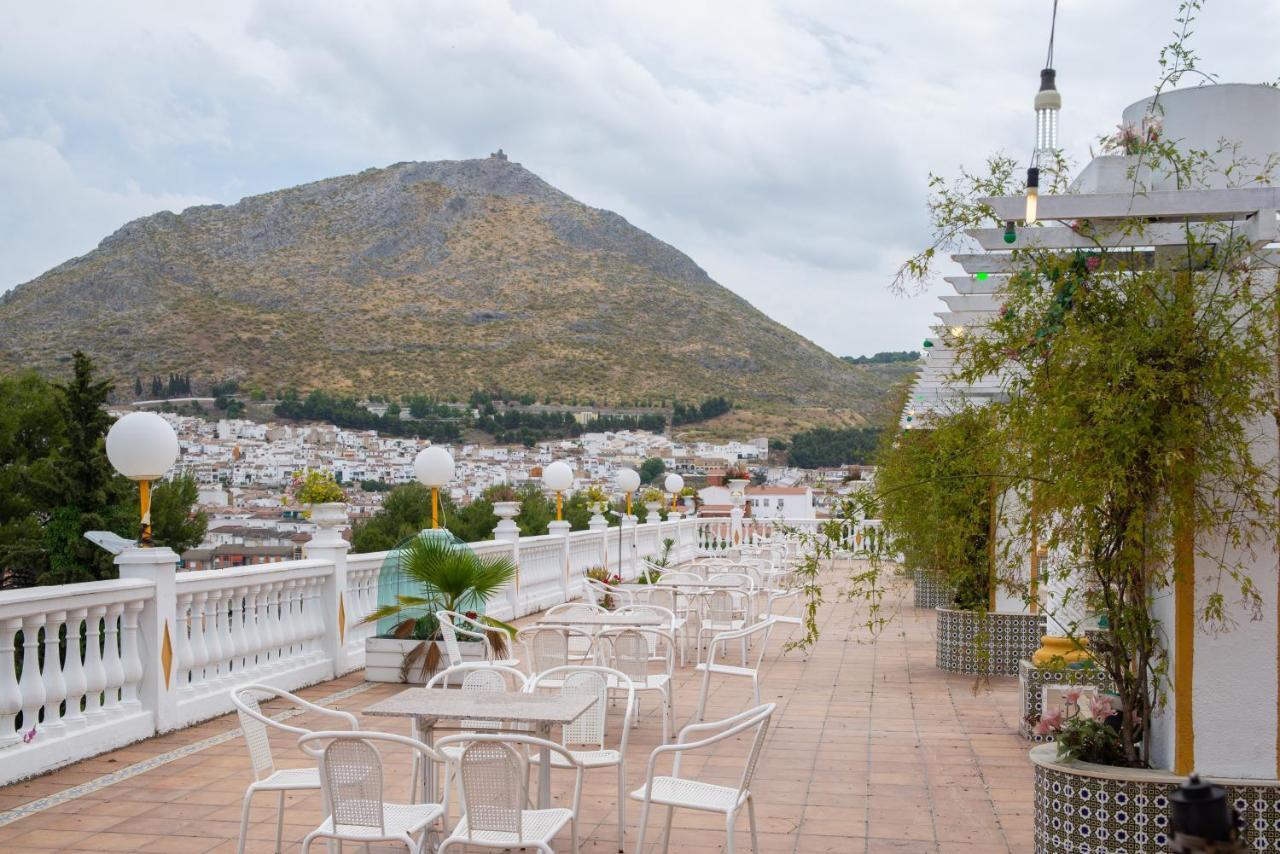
(437, 277)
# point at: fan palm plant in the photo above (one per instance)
(450, 577)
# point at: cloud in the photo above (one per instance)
(784, 145)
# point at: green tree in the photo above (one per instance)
(536, 512)
(172, 522)
(651, 469)
(406, 511)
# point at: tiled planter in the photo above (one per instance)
(930, 593)
(1097, 809)
(1031, 681)
(992, 644)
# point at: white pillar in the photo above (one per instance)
(596, 524)
(328, 545)
(507, 531)
(158, 692)
(561, 529)
(627, 567)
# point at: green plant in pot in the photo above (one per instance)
(443, 574)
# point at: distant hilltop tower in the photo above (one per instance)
(498, 155)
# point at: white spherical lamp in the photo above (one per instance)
(673, 484)
(434, 468)
(558, 477)
(142, 446)
(628, 481)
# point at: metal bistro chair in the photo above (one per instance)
(724, 609)
(632, 651)
(351, 772)
(687, 793)
(450, 629)
(581, 648)
(548, 647)
(588, 730)
(268, 778)
(493, 770)
(757, 634)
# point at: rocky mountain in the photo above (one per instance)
(436, 277)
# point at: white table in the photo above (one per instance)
(602, 621)
(428, 706)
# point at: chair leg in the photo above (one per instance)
(573, 833)
(666, 830)
(280, 823)
(306, 843)
(751, 819)
(644, 821)
(702, 695)
(244, 820)
(622, 810)
(755, 687)
(728, 826)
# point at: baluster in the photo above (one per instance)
(182, 643)
(319, 620)
(215, 667)
(111, 659)
(274, 631)
(239, 641)
(131, 651)
(227, 610)
(73, 671)
(252, 635)
(199, 646)
(10, 695)
(32, 684)
(55, 687)
(297, 630)
(95, 673)
(265, 657)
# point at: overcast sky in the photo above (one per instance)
(783, 145)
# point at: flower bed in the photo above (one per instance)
(931, 593)
(1082, 808)
(993, 644)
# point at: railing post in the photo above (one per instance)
(630, 533)
(157, 627)
(511, 534)
(596, 525)
(329, 545)
(561, 530)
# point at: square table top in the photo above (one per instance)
(700, 585)
(602, 620)
(504, 705)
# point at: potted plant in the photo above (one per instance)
(597, 499)
(652, 500)
(433, 571)
(325, 502)
(690, 497)
(506, 503)
(599, 573)
(737, 479)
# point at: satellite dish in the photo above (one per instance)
(110, 541)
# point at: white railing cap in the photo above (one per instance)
(65, 597)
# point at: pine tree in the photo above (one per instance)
(137, 387)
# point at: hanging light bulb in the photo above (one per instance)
(957, 331)
(1033, 190)
(1010, 236)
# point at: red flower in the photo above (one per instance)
(1092, 263)
(471, 615)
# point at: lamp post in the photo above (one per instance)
(434, 468)
(142, 446)
(628, 481)
(673, 484)
(558, 477)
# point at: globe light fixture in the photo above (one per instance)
(434, 468)
(142, 446)
(673, 483)
(628, 481)
(558, 477)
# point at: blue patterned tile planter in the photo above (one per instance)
(991, 644)
(930, 593)
(1096, 809)
(1032, 680)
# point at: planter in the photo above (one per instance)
(931, 593)
(738, 485)
(992, 644)
(1033, 680)
(1100, 809)
(329, 518)
(690, 508)
(654, 508)
(383, 658)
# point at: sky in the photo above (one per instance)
(785, 146)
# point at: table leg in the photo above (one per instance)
(544, 768)
(424, 731)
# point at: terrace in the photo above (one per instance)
(870, 747)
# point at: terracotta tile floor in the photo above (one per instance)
(871, 749)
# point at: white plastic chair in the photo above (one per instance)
(548, 647)
(723, 610)
(581, 646)
(632, 651)
(478, 677)
(268, 778)
(684, 792)
(450, 629)
(778, 603)
(671, 622)
(494, 776)
(589, 729)
(351, 773)
(597, 590)
(758, 635)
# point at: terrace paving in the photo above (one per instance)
(872, 749)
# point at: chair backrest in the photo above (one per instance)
(723, 605)
(493, 789)
(574, 609)
(592, 680)
(756, 634)
(547, 648)
(754, 721)
(667, 615)
(450, 634)
(661, 597)
(254, 724)
(351, 773)
(678, 578)
(633, 650)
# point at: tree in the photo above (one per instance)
(406, 511)
(172, 522)
(651, 469)
(137, 387)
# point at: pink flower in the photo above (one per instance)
(1072, 695)
(1092, 263)
(1101, 708)
(1050, 721)
(30, 736)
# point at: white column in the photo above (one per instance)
(328, 545)
(597, 524)
(158, 691)
(561, 530)
(627, 569)
(511, 534)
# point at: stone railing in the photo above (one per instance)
(86, 668)
(854, 539)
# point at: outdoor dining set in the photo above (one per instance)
(479, 730)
